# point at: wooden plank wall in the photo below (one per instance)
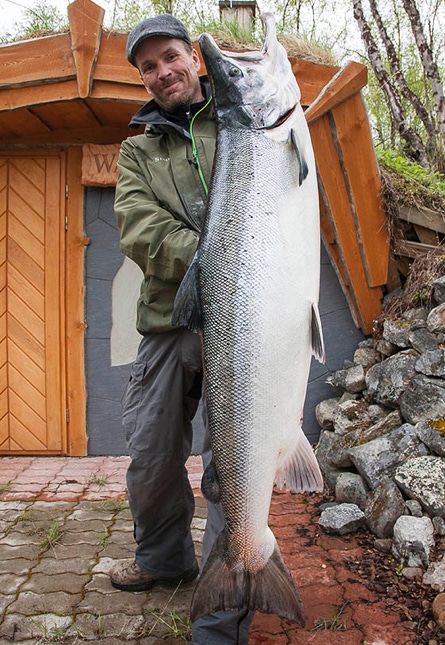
(353, 221)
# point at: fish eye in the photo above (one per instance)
(234, 71)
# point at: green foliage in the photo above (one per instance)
(51, 536)
(174, 625)
(411, 172)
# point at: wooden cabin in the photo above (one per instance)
(65, 345)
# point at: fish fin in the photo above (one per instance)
(303, 173)
(317, 336)
(187, 310)
(270, 590)
(299, 469)
(210, 484)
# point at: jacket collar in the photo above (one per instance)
(151, 114)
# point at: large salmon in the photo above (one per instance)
(252, 290)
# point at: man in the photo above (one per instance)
(160, 204)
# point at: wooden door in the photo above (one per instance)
(32, 339)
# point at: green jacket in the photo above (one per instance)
(160, 205)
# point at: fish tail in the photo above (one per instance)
(270, 590)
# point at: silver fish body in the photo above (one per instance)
(252, 290)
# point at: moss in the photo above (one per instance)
(439, 425)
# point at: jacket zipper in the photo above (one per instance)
(195, 149)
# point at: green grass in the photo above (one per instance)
(50, 536)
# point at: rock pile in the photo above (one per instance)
(382, 446)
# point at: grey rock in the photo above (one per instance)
(439, 525)
(351, 379)
(366, 356)
(439, 290)
(435, 575)
(351, 488)
(432, 363)
(414, 508)
(326, 505)
(418, 314)
(436, 319)
(385, 505)
(396, 332)
(383, 544)
(324, 413)
(385, 347)
(389, 422)
(378, 459)
(337, 455)
(423, 479)
(422, 340)
(342, 519)
(423, 398)
(367, 342)
(387, 380)
(432, 433)
(412, 540)
(376, 412)
(351, 415)
(327, 439)
(331, 476)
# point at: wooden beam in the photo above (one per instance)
(424, 217)
(74, 307)
(355, 150)
(412, 249)
(29, 96)
(367, 300)
(311, 78)
(86, 20)
(347, 82)
(37, 61)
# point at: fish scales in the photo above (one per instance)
(252, 291)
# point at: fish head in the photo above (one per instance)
(256, 89)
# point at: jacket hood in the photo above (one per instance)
(152, 114)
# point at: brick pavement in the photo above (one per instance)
(63, 521)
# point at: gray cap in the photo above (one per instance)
(163, 25)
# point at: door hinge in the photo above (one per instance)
(66, 222)
(66, 191)
(67, 415)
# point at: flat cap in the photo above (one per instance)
(162, 25)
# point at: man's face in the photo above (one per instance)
(169, 71)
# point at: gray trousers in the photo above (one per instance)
(160, 402)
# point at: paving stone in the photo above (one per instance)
(17, 566)
(110, 603)
(5, 600)
(34, 630)
(69, 582)
(51, 565)
(29, 603)
(28, 552)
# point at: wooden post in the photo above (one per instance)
(86, 20)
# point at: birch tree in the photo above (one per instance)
(423, 137)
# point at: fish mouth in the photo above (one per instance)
(282, 119)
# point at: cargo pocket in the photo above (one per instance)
(132, 398)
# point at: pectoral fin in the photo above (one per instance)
(210, 484)
(318, 349)
(301, 160)
(187, 310)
